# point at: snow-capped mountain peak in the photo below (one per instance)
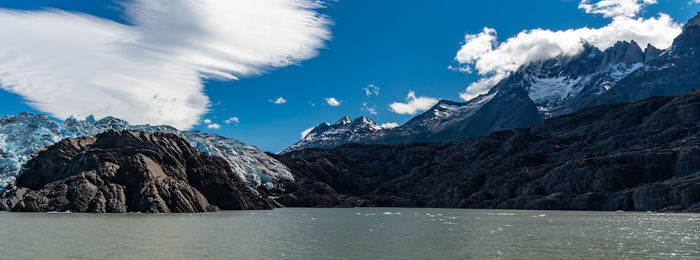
(556, 85)
(345, 130)
(344, 121)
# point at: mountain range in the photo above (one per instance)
(536, 91)
(627, 156)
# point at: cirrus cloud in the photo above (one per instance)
(482, 52)
(150, 71)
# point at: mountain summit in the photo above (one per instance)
(345, 130)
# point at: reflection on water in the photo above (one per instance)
(362, 233)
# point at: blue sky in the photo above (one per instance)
(395, 45)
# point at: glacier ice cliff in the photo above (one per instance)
(25, 134)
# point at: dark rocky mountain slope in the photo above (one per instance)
(630, 156)
(128, 171)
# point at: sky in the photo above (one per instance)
(265, 71)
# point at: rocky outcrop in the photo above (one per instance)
(636, 156)
(128, 171)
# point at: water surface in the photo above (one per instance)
(362, 233)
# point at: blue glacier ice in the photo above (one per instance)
(25, 134)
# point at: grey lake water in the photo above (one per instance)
(355, 233)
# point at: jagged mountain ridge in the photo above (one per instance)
(325, 135)
(544, 89)
(23, 135)
(676, 70)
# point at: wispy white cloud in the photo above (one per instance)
(207, 121)
(413, 104)
(370, 110)
(213, 126)
(233, 119)
(615, 8)
(482, 53)
(306, 132)
(332, 102)
(150, 71)
(278, 101)
(371, 89)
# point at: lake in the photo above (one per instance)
(354, 233)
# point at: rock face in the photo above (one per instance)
(128, 171)
(634, 156)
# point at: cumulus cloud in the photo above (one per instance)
(389, 125)
(150, 71)
(233, 119)
(306, 132)
(332, 102)
(371, 89)
(482, 53)
(207, 121)
(213, 126)
(370, 110)
(413, 104)
(278, 101)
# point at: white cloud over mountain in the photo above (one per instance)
(413, 104)
(150, 72)
(389, 125)
(493, 60)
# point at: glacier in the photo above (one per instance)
(25, 134)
